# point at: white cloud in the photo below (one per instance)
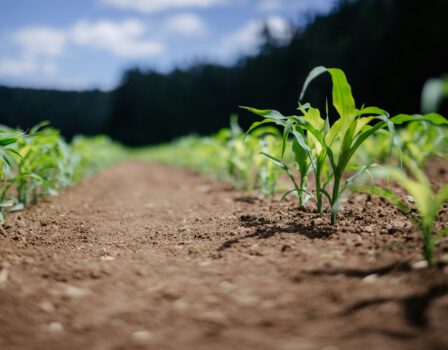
(124, 39)
(17, 67)
(279, 28)
(41, 41)
(269, 5)
(247, 39)
(38, 48)
(187, 24)
(150, 6)
(26, 65)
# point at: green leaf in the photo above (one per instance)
(312, 116)
(6, 203)
(7, 141)
(17, 207)
(434, 118)
(257, 124)
(311, 76)
(343, 99)
(276, 161)
(370, 110)
(286, 131)
(301, 157)
(441, 198)
(266, 113)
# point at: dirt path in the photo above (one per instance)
(147, 256)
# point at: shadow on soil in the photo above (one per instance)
(266, 228)
(361, 273)
(414, 306)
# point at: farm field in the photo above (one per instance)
(143, 255)
(223, 175)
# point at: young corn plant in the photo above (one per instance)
(427, 202)
(268, 172)
(40, 168)
(330, 149)
(422, 140)
(433, 93)
(8, 168)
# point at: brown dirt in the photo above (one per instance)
(144, 256)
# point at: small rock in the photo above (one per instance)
(444, 259)
(75, 292)
(317, 221)
(370, 278)
(420, 265)
(368, 229)
(47, 306)
(180, 305)
(107, 258)
(142, 336)
(55, 327)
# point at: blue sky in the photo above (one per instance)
(81, 44)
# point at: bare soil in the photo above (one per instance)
(145, 256)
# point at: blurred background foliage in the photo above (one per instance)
(388, 48)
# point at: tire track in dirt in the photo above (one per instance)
(149, 256)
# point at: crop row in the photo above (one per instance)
(40, 162)
(325, 162)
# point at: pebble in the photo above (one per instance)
(180, 305)
(368, 229)
(142, 336)
(318, 221)
(420, 265)
(444, 259)
(75, 292)
(47, 306)
(107, 258)
(370, 278)
(55, 327)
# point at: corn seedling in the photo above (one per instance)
(8, 166)
(40, 163)
(228, 155)
(427, 202)
(433, 93)
(330, 149)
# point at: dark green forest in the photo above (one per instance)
(378, 43)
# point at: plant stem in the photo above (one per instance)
(428, 245)
(302, 193)
(334, 199)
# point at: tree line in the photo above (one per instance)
(388, 49)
